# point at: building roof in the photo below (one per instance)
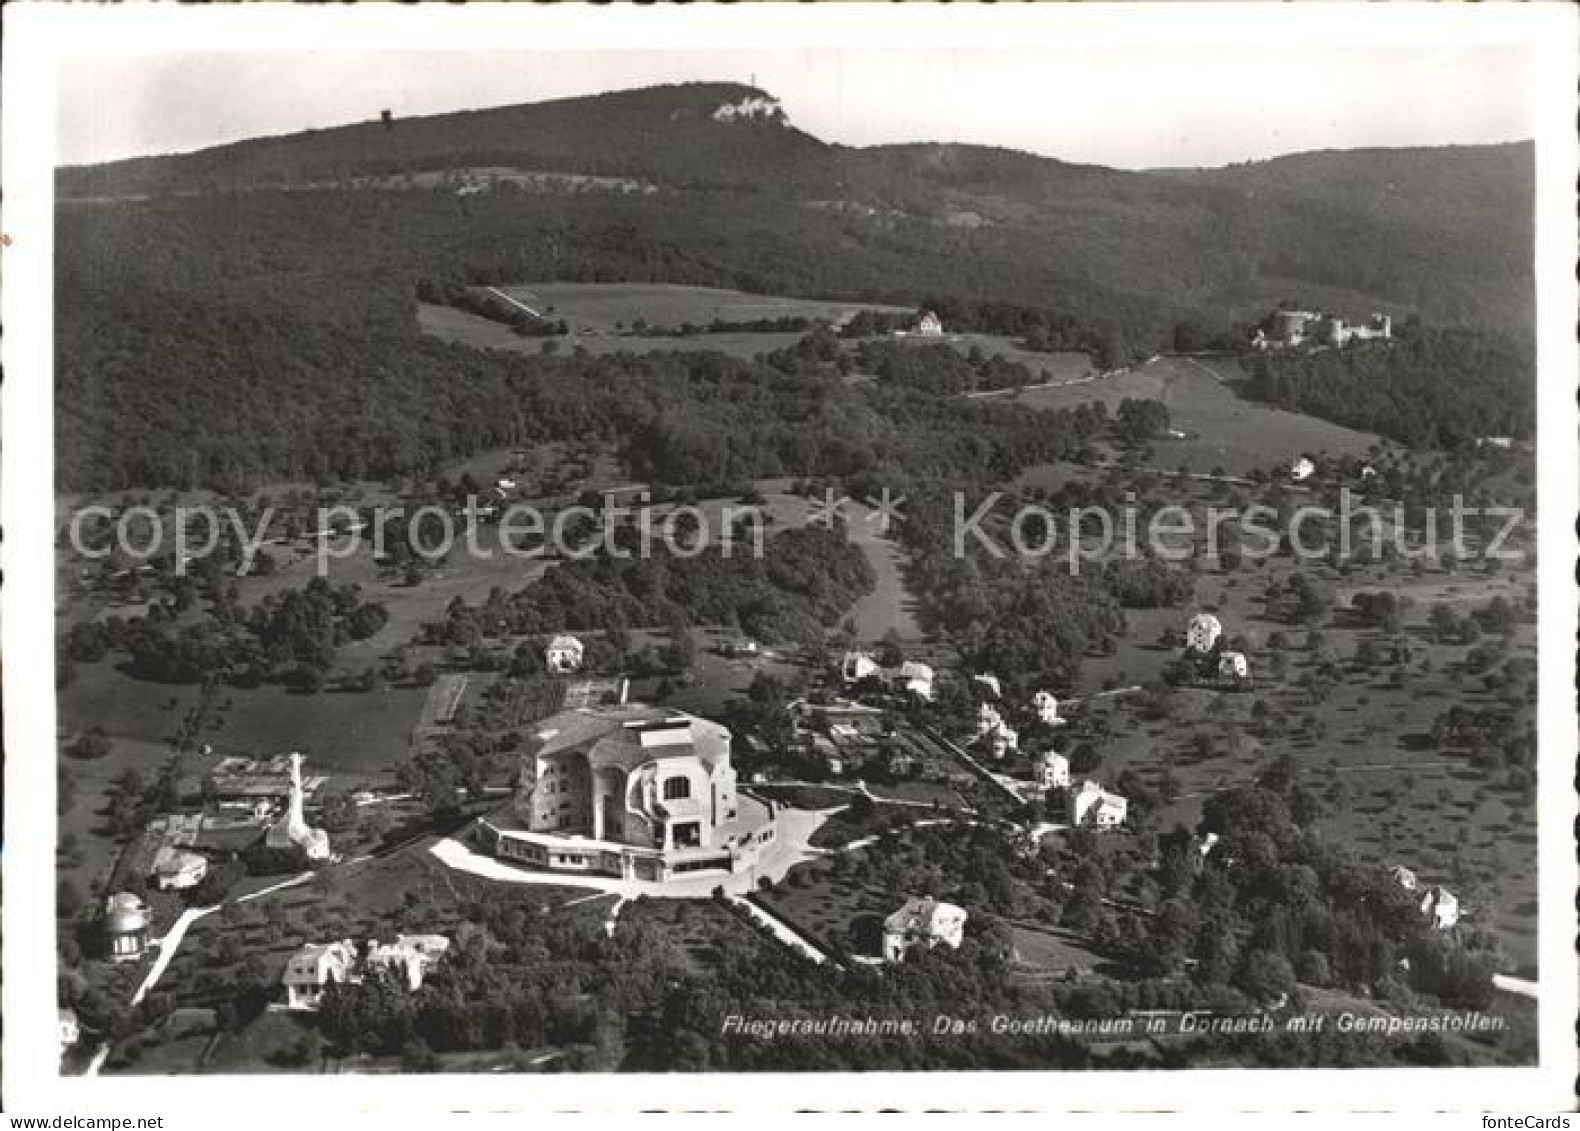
(630, 734)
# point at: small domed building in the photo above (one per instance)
(125, 927)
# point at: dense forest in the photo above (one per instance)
(1430, 388)
(246, 314)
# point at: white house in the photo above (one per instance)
(1202, 633)
(1404, 877)
(922, 922)
(929, 325)
(1094, 806)
(176, 870)
(1441, 906)
(409, 956)
(1051, 770)
(1233, 666)
(563, 655)
(857, 666)
(312, 969)
(1047, 708)
(915, 679)
(70, 1031)
(1301, 469)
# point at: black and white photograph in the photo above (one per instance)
(910, 556)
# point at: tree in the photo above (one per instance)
(1265, 976)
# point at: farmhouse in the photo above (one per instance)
(929, 325)
(1094, 806)
(922, 922)
(632, 791)
(563, 655)
(244, 783)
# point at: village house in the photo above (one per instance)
(175, 869)
(1202, 633)
(922, 922)
(1095, 807)
(563, 656)
(915, 679)
(1047, 708)
(857, 666)
(409, 957)
(633, 791)
(313, 968)
(1301, 468)
(929, 325)
(1051, 770)
(1441, 907)
(69, 1031)
(1233, 667)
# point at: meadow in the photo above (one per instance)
(1222, 430)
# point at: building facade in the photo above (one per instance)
(922, 922)
(632, 791)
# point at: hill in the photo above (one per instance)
(266, 288)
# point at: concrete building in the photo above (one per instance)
(922, 922)
(632, 791)
(125, 927)
(1094, 806)
(563, 656)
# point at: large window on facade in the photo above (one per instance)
(675, 788)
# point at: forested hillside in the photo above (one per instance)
(247, 313)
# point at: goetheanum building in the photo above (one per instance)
(631, 791)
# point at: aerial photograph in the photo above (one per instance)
(795, 561)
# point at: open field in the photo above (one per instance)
(607, 308)
(1390, 797)
(1223, 430)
